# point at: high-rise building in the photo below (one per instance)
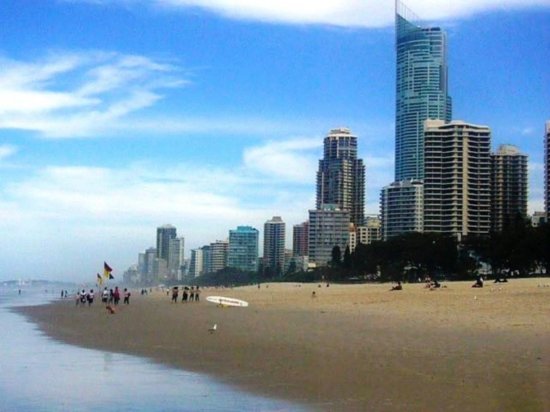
(509, 181)
(196, 263)
(421, 89)
(402, 208)
(547, 171)
(341, 175)
(457, 183)
(206, 259)
(328, 227)
(218, 255)
(164, 235)
(274, 246)
(150, 276)
(299, 239)
(243, 249)
(176, 257)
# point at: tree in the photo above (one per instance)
(347, 263)
(336, 260)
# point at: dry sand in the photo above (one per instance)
(350, 348)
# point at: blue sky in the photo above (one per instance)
(119, 116)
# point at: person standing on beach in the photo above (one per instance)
(116, 295)
(184, 295)
(197, 293)
(192, 294)
(126, 296)
(105, 295)
(90, 297)
(175, 294)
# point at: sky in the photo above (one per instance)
(117, 117)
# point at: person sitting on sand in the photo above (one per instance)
(434, 284)
(398, 286)
(478, 283)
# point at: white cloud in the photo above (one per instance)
(79, 94)
(113, 212)
(360, 13)
(6, 151)
(292, 160)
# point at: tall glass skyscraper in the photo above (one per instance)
(164, 235)
(243, 249)
(421, 89)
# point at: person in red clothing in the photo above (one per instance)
(116, 295)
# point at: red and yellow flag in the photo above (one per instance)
(107, 271)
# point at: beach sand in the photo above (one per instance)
(349, 348)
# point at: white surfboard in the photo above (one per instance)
(221, 300)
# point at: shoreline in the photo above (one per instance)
(352, 347)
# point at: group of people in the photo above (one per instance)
(189, 294)
(83, 297)
(108, 296)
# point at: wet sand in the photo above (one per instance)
(349, 348)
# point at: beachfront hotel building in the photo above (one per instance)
(164, 234)
(370, 232)
(217, 255)
(457, 178)
(243, 249)
(547, 171)
(176, 258)
(402, 208)
(299, 239)
(421, 89)
(341, 175)
(509, 181)
(196, 264)
(274, 246)
(328, 227)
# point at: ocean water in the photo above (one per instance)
(40, 374)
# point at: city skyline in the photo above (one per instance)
(116, 118)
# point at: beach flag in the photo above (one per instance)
(99, 279)
(107, 271)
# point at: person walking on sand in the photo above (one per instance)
(116, 295)
(175, 293)
(184, 295)
(90, 297)
(105, 296)
(126, 296)
(197, 294)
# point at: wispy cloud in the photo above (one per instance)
(291, 160)
(6, 151)
(346, 13)
(80, 94)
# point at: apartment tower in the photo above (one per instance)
(341, 175)
(457, 181)
(164, 235)
(274, 246)
(243, 249)
(509, 181)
